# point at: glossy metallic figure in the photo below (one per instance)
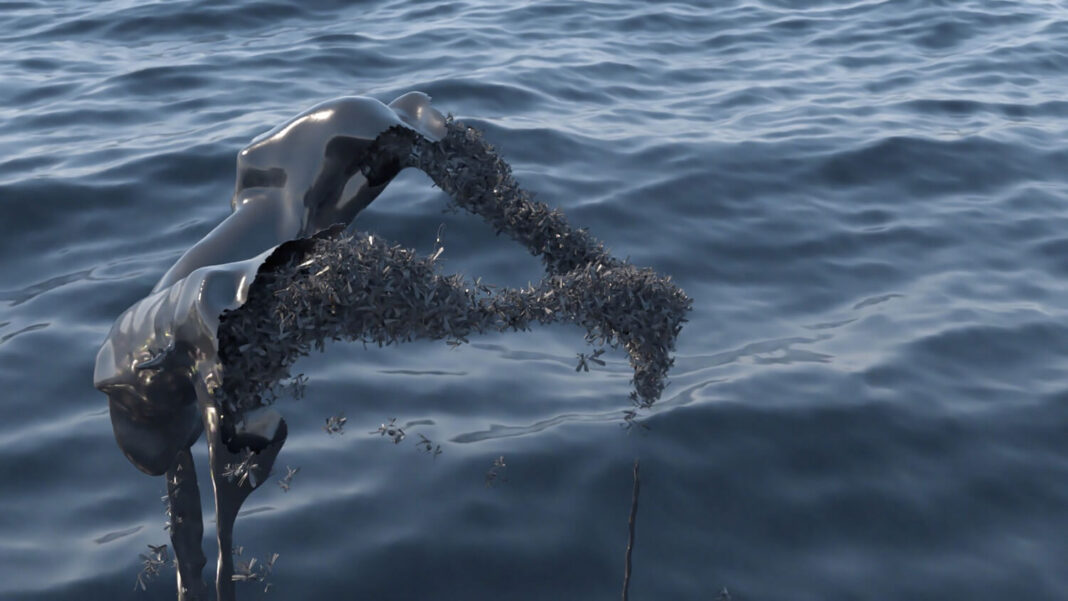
(159, 364)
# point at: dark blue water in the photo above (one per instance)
(867, 200)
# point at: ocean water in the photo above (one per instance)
(867, 200)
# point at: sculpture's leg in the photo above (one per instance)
(226, 506)
(187, 527)
(265, 430)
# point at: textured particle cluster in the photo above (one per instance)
(339, 285)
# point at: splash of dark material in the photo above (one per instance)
(341, 286)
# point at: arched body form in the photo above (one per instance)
(280, 276)
(292, 182)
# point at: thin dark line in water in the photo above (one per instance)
(501, 431)
(17, 297)
(26, 330)
(630, 525)
(829, 325)
(110, 536)
(423, 372)
(515, 355)
(875, 300)
(256, 510)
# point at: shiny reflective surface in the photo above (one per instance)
(157, 346)
(159, 365)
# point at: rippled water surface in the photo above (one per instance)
(867, 201)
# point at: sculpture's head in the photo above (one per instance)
(312, 161)
(152, 401)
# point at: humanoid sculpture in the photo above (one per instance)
(227, 319)
(160, 361)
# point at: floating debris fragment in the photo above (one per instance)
(390, 429)
(254, 570)
(287, 481)
(242, 471)
(439, 244)
(152, 564)
(173, 519)
(496, 473)
(335, 424)
(427, 446)
(583, 358)
(296, 386)
(630, 420)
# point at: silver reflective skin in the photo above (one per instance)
(292, 182)
(159, 365)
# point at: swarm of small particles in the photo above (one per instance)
(340, 285)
